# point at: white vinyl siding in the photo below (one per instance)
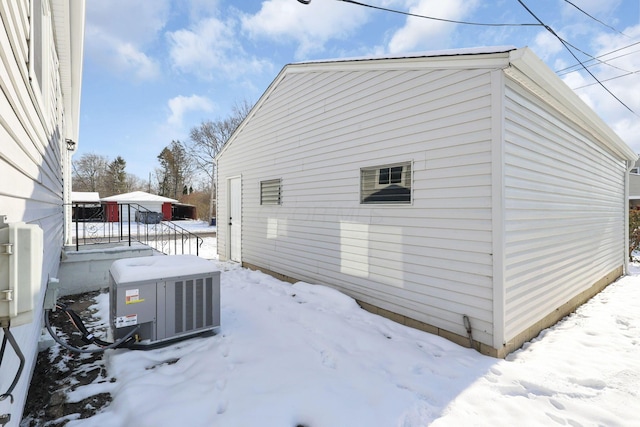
(43, 64)
(32, 154)
(517, 205)
(430, 260)
(564, 211)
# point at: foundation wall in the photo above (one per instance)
(514, 344)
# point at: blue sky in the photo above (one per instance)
(153, 69)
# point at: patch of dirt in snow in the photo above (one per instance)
(59, 371)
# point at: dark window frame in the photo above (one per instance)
(389, 184)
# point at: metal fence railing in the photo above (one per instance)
(95, 223)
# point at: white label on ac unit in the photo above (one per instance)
(132, 296)
(128, 320)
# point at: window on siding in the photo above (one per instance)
(271, 192)
(390, 184)
(39, 43)
(43, 63)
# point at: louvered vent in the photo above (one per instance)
(271, 192)
(194, 301)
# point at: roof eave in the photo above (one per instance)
(69, 23)
(552, 89)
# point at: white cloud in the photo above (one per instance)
(209, 47)
(119, 56)
(309, 26)
(422, 34)
(138, 22)
(201, 8)
(594, 8)
(546, 45)
(117, 31)
(621, 77)
(181, 105)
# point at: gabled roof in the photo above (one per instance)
(519, 64)
(427, 54)
(137, 197)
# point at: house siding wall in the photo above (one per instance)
(564, 211)
(31, 184)
(634, 189)
(430, 261)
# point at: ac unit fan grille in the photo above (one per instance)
(194, 304)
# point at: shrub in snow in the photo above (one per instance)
(634, 232)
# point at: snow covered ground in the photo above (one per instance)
(196, 226)
(302, 355)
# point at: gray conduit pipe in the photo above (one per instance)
(467, 325)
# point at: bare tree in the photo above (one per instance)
(89, 172)
(208, 139)
(134, 183)
(93, 172)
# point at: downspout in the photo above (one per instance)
(630, 165)
(69, 149)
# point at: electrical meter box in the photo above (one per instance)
(169, 297)
(21, 254)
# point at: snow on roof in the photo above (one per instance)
(427, 54)
(85, 196)
(137, 196)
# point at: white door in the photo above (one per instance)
(235, 219)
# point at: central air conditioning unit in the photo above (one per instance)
(166, 298)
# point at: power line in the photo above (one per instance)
(357, 3)
(568, 69)
(629, 73)
(593, 58)
(595, 19)
(540, 23)
(566, 46)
